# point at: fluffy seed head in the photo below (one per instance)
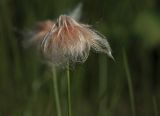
(66, 40)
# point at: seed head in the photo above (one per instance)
(67, 40)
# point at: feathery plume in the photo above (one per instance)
(67, 40)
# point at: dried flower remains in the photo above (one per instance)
(67, 40)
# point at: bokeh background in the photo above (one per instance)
(130, 86)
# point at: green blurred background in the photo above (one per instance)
(130, 86)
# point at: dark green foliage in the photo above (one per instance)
(99, 87)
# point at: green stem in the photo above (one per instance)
(68, 91)
(129, 79)
(55, 86)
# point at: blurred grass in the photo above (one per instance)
(130, 86)
(156, 112)
(99, 86)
